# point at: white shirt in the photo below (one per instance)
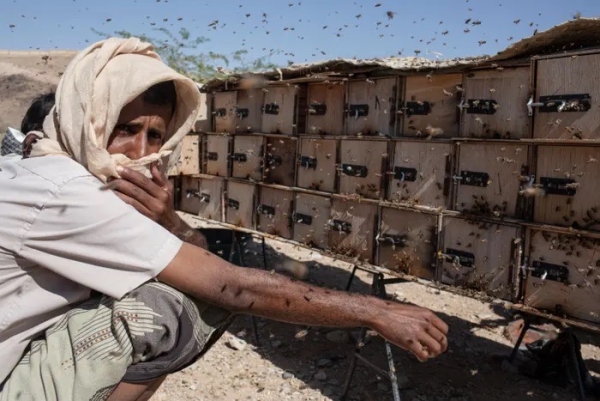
(60, 236)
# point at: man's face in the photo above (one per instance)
(140, 130)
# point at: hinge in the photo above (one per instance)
(405, 173)
(271, 108)
(390, 239)
(308, 162)
(242, 113)
(233, 204)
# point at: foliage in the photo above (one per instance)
(181, 52)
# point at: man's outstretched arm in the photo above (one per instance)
(207, 277)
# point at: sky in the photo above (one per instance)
(294, 30)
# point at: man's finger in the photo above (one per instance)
(141, 181)
(417, 349)
(139, 194)
(438, 336)
(160, 178)
(433, 347)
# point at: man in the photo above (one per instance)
(97, 301)
(32, 121)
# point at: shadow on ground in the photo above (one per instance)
(471, 370)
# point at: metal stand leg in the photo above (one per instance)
(526, 325)
(351, 278)
(575, 367)
(264, 254)
(377, 289)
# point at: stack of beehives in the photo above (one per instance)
(481, 177)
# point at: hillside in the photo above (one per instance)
(25, 75)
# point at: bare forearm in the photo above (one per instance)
(187, 234)
(269, 295)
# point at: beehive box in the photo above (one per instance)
(494, 103)
(407, 242)
(279, 110)
(563, 275)
(310, 219)
(189, 158)
(362, 165)
(317, 164)
(567, 91)
(372, 107)
(480, 256)
(237, 111)
(421, 173)
(352, 229)
(247, 157)
(202, 196)
(429, 108)
(240, 199)
(489, 179)
(570, 179)
(216, 154)
(280, 160)
(275, 211)
(203, 121)
(325, 112)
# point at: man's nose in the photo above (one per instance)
(139, 147)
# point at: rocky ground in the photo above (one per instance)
(290, 363)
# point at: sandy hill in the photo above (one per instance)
(25, 75)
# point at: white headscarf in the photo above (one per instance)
(95, 87)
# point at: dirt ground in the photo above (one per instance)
(313, 367)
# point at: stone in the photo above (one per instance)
(236, 343)
(323, 363)
(276, 344)
(287, 375)
(327, 391)
(321, 376)
(338, 336)
(334, 382)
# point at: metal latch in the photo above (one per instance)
(271, 108)
(266, 210)
(405, 173)
(317, 109)
(549, 271)
(192, 192)
(212, 156)
(242, 113)
(473, 178)
(355, 170)
(558, 186)
(300, 218)
(479, 106)
(565, 103)
(340, 226)
(220, 112)
(391, 239)
(357, 110)
(239, 157)
(274, 160)
(204, 197)
(308, 162)
(417, 108)
(233, 204)
(461, 258)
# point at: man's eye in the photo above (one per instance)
(125, 129)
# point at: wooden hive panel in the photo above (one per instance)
(571, 76)
(239, 204)
(311, 214)
(216, 154)
(377, 98)
(279, 110)
(352, 229)
(275, 212)
(421, 173)
(248, 115)
(561, 167)
(509, 89)
(362, 164)
(189, 159)
(326, 108)
(280, 160)
(224, 104)
(563, 275)
(479, 256)
(202, 197)
(317, 164)
(430, 105)
(491, 179)
(204, 119)
(407, 242)
(247, 157)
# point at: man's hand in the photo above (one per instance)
(154, 199)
